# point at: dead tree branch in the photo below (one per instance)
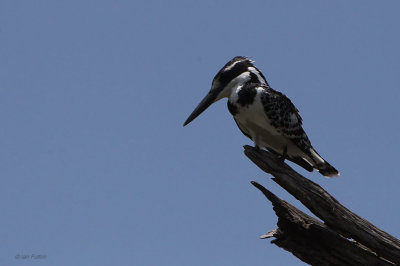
(306, 237)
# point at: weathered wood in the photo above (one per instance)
(312, 241)
(336, 217)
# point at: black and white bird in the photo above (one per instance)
(264, 115)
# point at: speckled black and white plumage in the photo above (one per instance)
(264, 115)
(277, 127)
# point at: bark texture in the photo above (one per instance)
(344, 238)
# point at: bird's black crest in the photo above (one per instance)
(226, 74)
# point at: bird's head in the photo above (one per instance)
(236, 73)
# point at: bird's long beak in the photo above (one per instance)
(203, 105)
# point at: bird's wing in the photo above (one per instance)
(285, 117)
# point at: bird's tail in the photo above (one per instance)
(323, 166)
(327, 170)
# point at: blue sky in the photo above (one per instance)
(96, 167)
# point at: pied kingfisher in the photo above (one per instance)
(264, 115)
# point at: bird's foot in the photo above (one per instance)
(284, 155)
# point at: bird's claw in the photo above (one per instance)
(284, 155)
